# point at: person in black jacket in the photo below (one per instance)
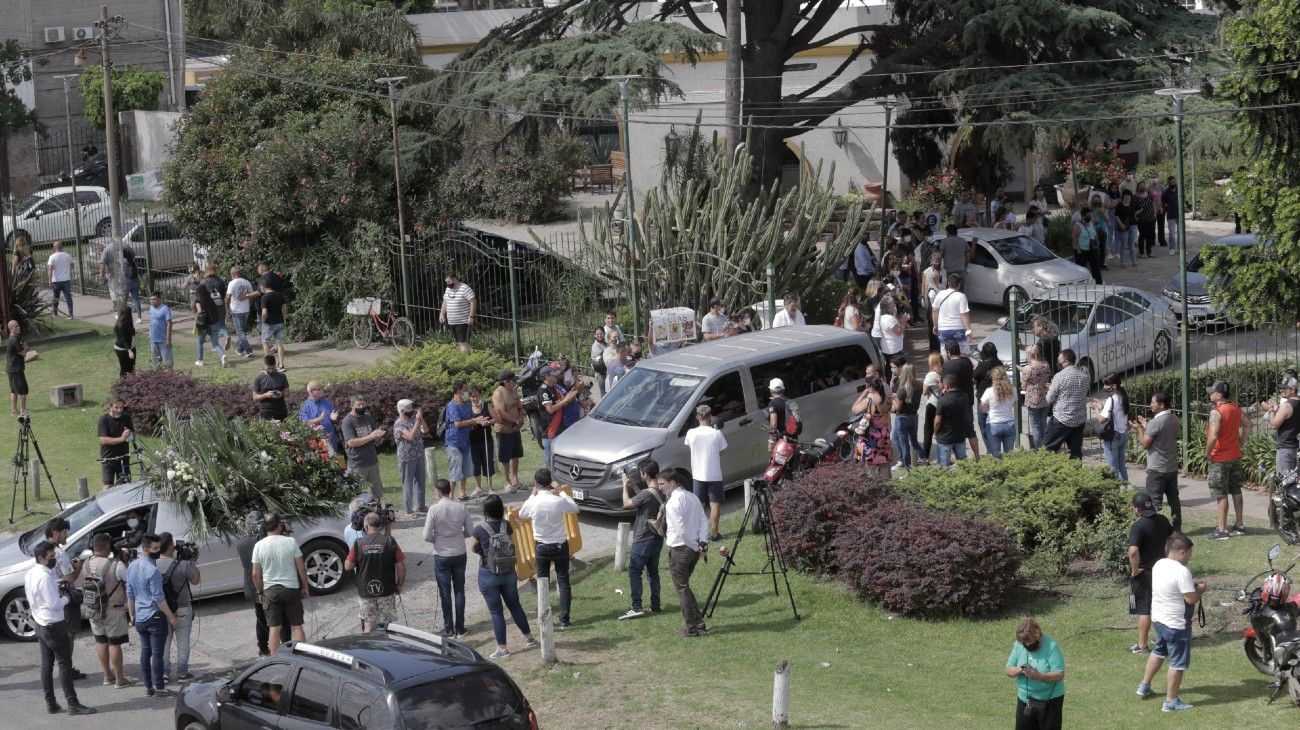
(124, 342)
(989, 360)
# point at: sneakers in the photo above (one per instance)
(223, 361)
(79, 675)
(477, 493)
(124, 682)
(163, 693)
(1137, 649)
(1218, 535)
(1143, 690)
(632, 613)
(715, 537)
(80, 709)
(198, 363)
(499, 654)
(1237, 530)
(185, 677)
(530, 643)
(565, 625)
(1176, 706)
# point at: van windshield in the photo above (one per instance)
(646, 397)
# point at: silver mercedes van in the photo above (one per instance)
(649, 411)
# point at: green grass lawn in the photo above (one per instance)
(855, 666)
(68, 437)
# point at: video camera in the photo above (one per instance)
(385, 512)
(186, 550)
(124, 551)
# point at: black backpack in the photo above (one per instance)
(95, 595)
(499, 551)
(170, 592)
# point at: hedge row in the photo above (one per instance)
(1251, 382)
(838, 521)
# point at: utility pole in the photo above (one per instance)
(392, 82)
(889, 105)
(72, 174)
(106, 26)
(734, 73)
(630, 206)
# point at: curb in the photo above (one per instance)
(66, 337)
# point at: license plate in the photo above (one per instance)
(1198, 311)
(579, 494)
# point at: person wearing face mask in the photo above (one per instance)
(1037, 666)
(147, 608)
(1086, 245)
(460, 419)
(480, 442)
(360, 434)
(1068, 397)
(48, 606)
(115, 433)
(744, 321)
(410, 429)
(319, 413)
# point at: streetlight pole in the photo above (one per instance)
(889, 105)
(72, 174)
(392, 82)
(1178, 95)
(630, 217)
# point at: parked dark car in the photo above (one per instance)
(396, 677)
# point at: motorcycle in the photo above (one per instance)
(1272, 643)
(790, 457)
(1284, 506)
(530, 382)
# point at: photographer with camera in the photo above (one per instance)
(280, 577)
(146, 605)
(47, 601)
(409, 430)
(380, 573)
(254, 524)
(104, 587)
(647, 540)
(180, 571)
(360, 434)
(446, 527)
(269, 388)
(115, 433)
(66, 569)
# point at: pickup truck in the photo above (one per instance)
(47, 216)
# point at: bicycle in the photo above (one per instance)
(397, 330)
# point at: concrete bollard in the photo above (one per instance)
(749, 492)
(545, 622)
(621, 553)
(36, 479)
(83, 488)
(431, 469)
(781, 695)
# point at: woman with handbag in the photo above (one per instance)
(1038, 668)
(1111, 425)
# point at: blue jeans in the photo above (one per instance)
(153, 649)
(133, 289)
(546, 453)
(241, 332)
(1038, 424)
(903, 436)
(1128, 243)
(958, 335)
(948, 451)
(413, 480)
(215, 332)
(982, 419)
(1113, 452)
(184, 622)
(1171, 226)
(1002, 438)
(65, 288)
(645, 556)
(162, 354)
(498, 589)
(451, 578)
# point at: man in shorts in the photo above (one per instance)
(507, 424)
(280, 577)
(1225, 432)
(458, 309)
(1146, 546)
(1172, 591)
(380, 573)
(274, 311)
(111, 631)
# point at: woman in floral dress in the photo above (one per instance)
(873, 446)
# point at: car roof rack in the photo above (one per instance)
(340, 658)
(441, 644)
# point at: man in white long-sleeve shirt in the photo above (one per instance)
(47, 605)
(547, 508)
(687, 539)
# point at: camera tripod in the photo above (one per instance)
(759, 512)
(22, 470)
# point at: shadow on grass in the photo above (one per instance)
(1221, 694)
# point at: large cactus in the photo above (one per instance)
(702, 238)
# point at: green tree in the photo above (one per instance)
(342, 28)
(133, 88)
(1264, 35)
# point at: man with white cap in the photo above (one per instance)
(1285, 420)
(782, 414)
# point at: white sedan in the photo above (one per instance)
(1006, 261)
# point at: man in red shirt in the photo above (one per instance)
(1224, 434)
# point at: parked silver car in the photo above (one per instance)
(322, 546)
(47, 215)
(1003, 261)
(166, 250)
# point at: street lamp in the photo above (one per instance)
(72, 174)
(392, 82)
(1178, 95)
(840, 134)
(889, 105)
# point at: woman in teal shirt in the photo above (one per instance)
(1085, 244)
(1038, 668)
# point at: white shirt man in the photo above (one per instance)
(41, 585)
(789, 313)
(547, 508)
(1173, 593)
(687, 539)
(59, 267)
(706, 444)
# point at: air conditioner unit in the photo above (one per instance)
(84, 34)
(54, 35)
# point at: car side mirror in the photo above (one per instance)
(34, 215)
(1274, 551)
(1002, 321)
(223, 693)
(1101, 328)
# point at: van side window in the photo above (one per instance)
(838, 366)
(725, 397)
(791, 370)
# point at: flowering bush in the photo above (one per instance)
(939, 191)
(219, 468)
(1099, 167)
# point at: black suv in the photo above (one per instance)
(393, 678)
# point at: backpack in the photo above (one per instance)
(128, 262)
(499, 552)
(793, 423)
(94, 593)
(659, 525)
(170, 592)
(440, 430)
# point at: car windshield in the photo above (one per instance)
(29, 201)
(1068, 317)
(1021, 250)
(468, 701)
(78, 516)
(646, 397)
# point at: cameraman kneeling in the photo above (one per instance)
(179, 573)
(380, 573)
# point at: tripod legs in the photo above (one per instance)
(760, 509)
(22, 469)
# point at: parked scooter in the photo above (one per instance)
(1284, 506)
(1272, 643)
(529, 383)
(789, 457)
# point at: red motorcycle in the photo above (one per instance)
(789, 457)
(1272, 643)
